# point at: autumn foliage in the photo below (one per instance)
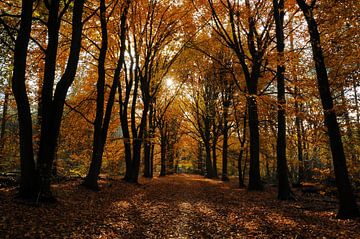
(266, 92)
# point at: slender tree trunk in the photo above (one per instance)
(152, 161)
(245, 163)
(147, 145)
(163, 144)
(97, 150)
(3, 121)
(103, 117)
(347, 202)
(170, 157)
(135, 166)
(208, 164)
(254, 171)
(127, 147)
(224, 175)
(242, 149)
(284, 191)
(298, 120)
(200, 158)
(240, 169)
(147, 155)
(128, 174)
(299, 142)
(27, 164)
(214, 158)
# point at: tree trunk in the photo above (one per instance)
(27, 164)
(214, 158)
(241, 178)
(97, 151)
(347, 202)
(284, 191)
(163, 155)
(170, 157)
(147, 155)
(3, 121)
(52, 109)
(152, 160)
(200, 166)
(102, 120)
(254, 171)
(147, 145)
(224, 175)
(135, 166)
(208, 164)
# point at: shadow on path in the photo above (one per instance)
(178, 206)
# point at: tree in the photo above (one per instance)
(347, 203)
(27, 184)
(52, 102)
(251, 59)
(103, 116)
(151, 36)
(284, 192)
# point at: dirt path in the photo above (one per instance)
(180, 206)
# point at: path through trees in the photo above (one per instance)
(178, 206)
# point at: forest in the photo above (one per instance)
(179, 119)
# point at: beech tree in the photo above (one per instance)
(284, 192)
(103, 116)
(251, 53)
(347, 203)
(28, 183)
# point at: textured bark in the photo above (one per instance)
(27, 164)
(347, 202)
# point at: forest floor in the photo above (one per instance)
(178, 206)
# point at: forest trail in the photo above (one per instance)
(178, 206)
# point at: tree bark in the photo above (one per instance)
(3, 120)
(27, 164)
(224, 175)
(97, 149)
(163, 154)
(208, 164)
(214, 156)
(102, 119)
(254, 171)
(347, 202)
(53, 107)
(148, 144)
(284, 191)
